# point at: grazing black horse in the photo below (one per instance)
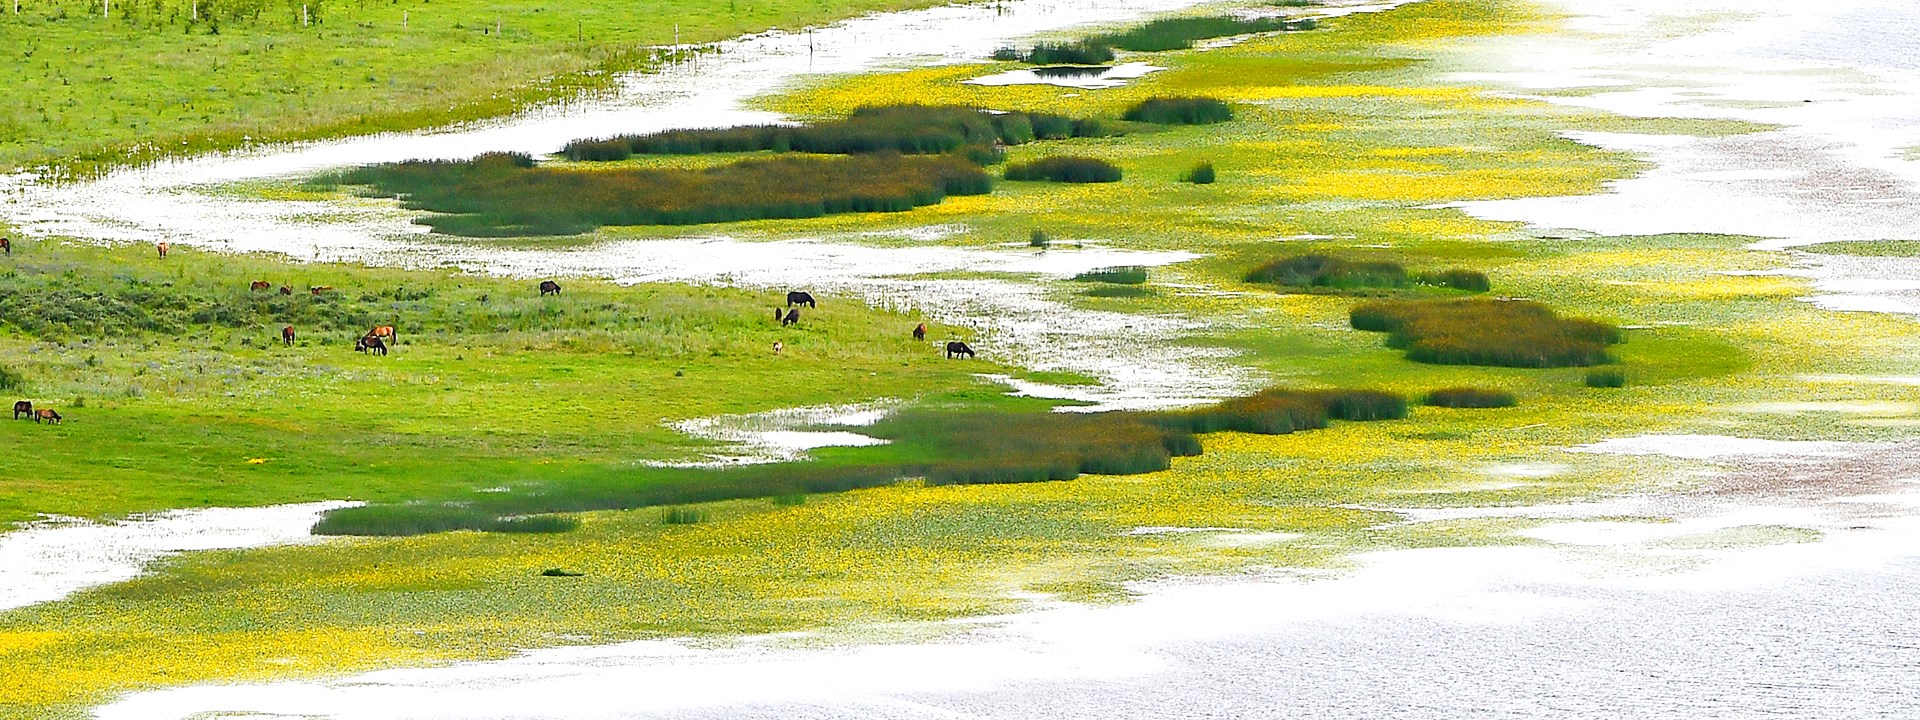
(920, 331)
(777, 314)
(23, 407)
(799, 298)
(6, 245)
(549, 287)
(792, 318)
(370, 343)
(958, 348)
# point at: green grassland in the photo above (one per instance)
(1344, 142)
(148, 80)
(177, 391)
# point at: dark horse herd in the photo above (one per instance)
(380, 338)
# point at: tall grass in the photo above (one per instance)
(1123, 275)
(906, 129)
(503, 195)
(947, 448)
(1181, 33)
(1469, 397)
(1317, 271)
(1060, 168)
(1484, 331)
(1327, 271)
(1180, 111)
(1084, 52)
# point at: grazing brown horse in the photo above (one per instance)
(792, 318)
(318, 289)
(46, 414)
(800, 298)
(259, 286)
(6, 245)
(162, 247)
(385, 332)
(370, 344)
(286, 335)
(23, 407)
(958, 348)
(920, 331)
(549, 287)
(284, 290)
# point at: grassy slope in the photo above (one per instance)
(1340, 135)
(479, 394)
(145, 81)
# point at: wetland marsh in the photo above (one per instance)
(1752, 458)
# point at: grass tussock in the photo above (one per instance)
(947, 449)
(1059, 168)
(1484, 331)
(905, 129)
(506, 195)
(1606, 378)
(1083, 52)
(1182, 32)
(1122, 275)
(1469, 397)
(1180, 111)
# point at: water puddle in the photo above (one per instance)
(51, 559)
(1070, 76)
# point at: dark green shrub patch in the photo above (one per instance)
(1326, 271)
(499, 195)
(1180, 111)
(1606, 378)
(1485, 331)
(1065, 169)
(947, 448)
(1470, 397)
(11, 379)
(1201, 174)
(560, 572)
(1123, 275)
(1181, 33)
(1458, 279)
(906, 129)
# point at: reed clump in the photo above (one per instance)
(905, 129)
(1066, 169)
(1486, 331)
(1470, 397)
(1329, 272)
(1122, 275)
(1606, 378)
(1181, 33)
(1201, 174)
(947, 448)
(506, 195)
(1180, 111)
(1083, 52)
(1458, 279)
